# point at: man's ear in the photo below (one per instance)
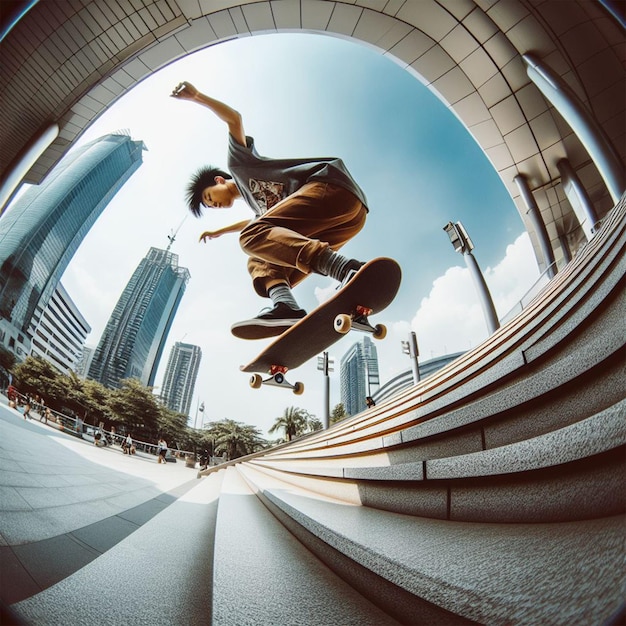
(220, 180)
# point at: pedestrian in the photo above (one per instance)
(304, 211)
(27, 407)
(162, 450)
(204, 459)
(128, 444)
(12, 395)
(46, 415)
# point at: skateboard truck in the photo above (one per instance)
(276, 379)
(358, 320)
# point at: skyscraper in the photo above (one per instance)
(59, 331)
(44, 227)
(180, 377)
(132, 342)
(358, 375)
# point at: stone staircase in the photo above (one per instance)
(492, 492)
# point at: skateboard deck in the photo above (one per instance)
(371, 290)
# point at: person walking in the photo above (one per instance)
(161, 450)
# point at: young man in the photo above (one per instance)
(305, 210)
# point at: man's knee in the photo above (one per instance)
(252, 234)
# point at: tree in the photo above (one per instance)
(294, 422)
(173, 427)
(133, 405)
(74, 399)
(137, 408)
(235, 439)
(35, 376)
(7, 359)
(338, 413)
(313, 424)
(96, 398)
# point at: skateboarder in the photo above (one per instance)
(305, 210)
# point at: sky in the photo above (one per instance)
(303, 95)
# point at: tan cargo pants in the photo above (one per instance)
(284, 242)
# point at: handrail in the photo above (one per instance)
(544, 278)
(76, 426)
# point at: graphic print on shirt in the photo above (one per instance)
(266, 193)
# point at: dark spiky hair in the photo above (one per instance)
(203, 178)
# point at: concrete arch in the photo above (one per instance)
(67, 61)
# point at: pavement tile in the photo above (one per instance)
(12, 500)
(18, 479)
(45, 497)
(144, 512)
(103, 535)
(54, 559)
(15, 581)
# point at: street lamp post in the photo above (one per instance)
(200, 408)
(410, 347)
(463, 244)
(325, 365)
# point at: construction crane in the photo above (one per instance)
(172, 237)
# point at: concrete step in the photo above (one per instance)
(565, 573)
(263, 574)
(573, 473)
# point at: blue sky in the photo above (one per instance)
(305, 95)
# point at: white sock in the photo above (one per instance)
(282, 293)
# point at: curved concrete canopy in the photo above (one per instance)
(67, 61)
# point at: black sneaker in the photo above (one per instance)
(269, 323)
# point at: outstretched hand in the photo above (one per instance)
(208, 234)
(185, 91)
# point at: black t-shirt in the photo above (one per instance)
(263, 182)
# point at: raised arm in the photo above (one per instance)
(186, 91)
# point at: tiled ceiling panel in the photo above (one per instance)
(66, 61)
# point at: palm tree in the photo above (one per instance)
(338, 413)
(235, 439)
(293, 421)
(314, 423)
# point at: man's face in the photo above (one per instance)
(218, 196)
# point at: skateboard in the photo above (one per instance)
(369, 291)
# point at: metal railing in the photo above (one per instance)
(77, 427)
(544, 278)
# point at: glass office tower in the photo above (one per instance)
(180, 377)
(42, 230)
(132, 342)
(359, 376)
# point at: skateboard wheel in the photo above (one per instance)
(380, 331)
(298, 389)
(256, 381)
(343, 323)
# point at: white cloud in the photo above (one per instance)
(450, 318)
(325, 293)
(514, 275)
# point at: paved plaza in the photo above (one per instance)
(64, 501)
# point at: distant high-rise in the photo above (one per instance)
(132, 342)
(359, 376)
(81, 367)
(42, 230)
(180, 377)
(59, 331)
